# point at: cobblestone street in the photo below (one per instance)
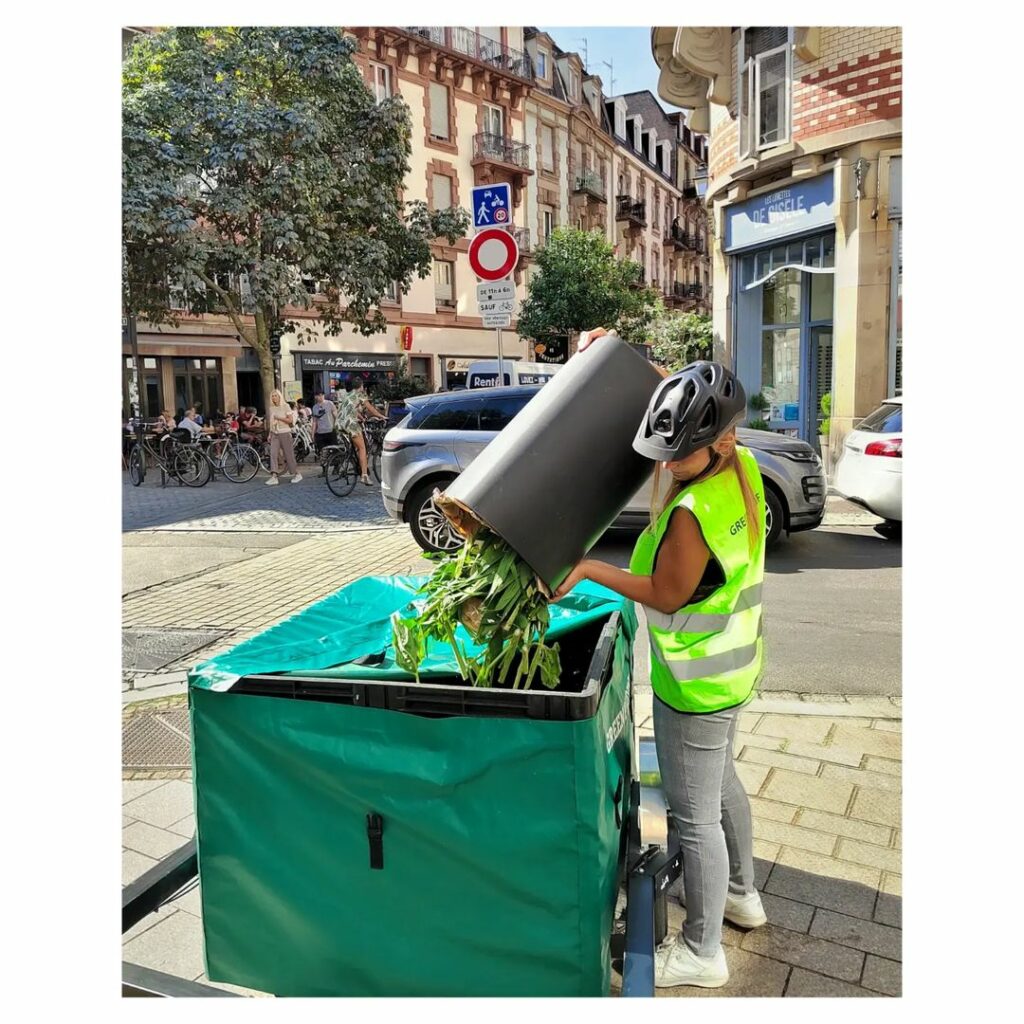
(306, 507)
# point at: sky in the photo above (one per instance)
(627, 49)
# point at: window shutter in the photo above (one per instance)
(438, 111)
(442, 192)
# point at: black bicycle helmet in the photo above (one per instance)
(690, 410)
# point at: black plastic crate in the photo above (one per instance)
(587, 658)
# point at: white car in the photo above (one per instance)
(870, 470)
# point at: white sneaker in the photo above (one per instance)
(296, 478)
(272, 481)
(676, 964)
(745, 911)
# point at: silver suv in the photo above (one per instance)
(443, 433)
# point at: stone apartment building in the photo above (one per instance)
(805, 190)
(487, 105)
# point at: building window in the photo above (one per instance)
(547, 147)
(574, 84)
(442, 192)
(391, 293)
(766, 86)
(637, 136)
(542, 64)
(151, 393)
(381, 81)
(620, 122)
(419, 366)
(494, 123)
(444, 283)
(197, 382)
(439, 128)
(547, 222)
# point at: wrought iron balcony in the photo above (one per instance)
(678, 290)
(680, 239)
(694, 291)
(591, 184)
(501, 150)
(471, 43)
(628, 209)
(689, 190)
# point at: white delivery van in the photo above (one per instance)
(484, 373)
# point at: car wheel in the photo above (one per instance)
(429, 527)
(774, 518)
(891, 529)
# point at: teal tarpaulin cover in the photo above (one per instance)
(355, 623)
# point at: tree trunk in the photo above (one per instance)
(264, 318)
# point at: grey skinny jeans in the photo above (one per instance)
(712, 813)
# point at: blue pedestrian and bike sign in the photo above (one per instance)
(492, 206)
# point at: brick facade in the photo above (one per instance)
(857, 80)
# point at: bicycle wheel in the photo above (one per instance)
(374, 459)
(342, 473)
(189, 466)
(264, 452)
(135, 466)
(215, 453)
(240, 463)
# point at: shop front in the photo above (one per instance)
(331, 371)
(781, 247)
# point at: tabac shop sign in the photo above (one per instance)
(348, 361)
(802, 206)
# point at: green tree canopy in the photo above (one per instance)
(680, 338)
(580, 285)
(254, 158)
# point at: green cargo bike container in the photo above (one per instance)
(363, 834)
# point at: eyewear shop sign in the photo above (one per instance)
(802, 206)
(348, 361)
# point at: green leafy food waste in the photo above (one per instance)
(491, 591)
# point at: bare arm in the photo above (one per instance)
(681, 564)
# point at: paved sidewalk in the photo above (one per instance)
(825, 792)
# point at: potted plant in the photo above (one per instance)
(760, 405)
(824, 428)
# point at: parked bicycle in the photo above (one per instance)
(341, 466)
(174, 454)
(238, 460)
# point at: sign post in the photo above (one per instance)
(493, 254)
(129, 334)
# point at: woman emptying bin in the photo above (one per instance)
(697, 570)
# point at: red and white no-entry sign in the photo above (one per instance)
(493, 254)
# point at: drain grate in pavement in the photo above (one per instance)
(149, 650)
(156, 739)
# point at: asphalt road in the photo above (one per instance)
(832, 611)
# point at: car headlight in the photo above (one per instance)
(795, 455)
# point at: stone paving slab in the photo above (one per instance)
(272, 586)
(879, 939)
(882, 976)
(819, 955)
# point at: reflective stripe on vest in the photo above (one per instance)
(693, 622)
(686, 669)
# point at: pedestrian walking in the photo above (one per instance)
(303, 410)
(697, 570)
(325, 414)
(281, 419)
